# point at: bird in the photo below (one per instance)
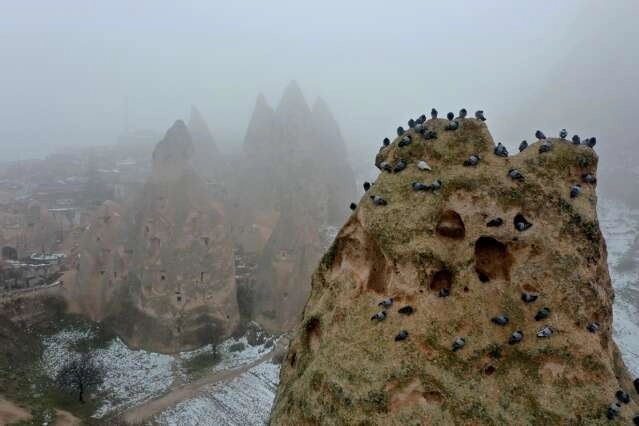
(422, 165)
(523, 145)
(406, 310)
(473, 160)
(444, 292)
(590, 142)
(540, 135)
(528, 298)
(401, 165)
(521, 224)
(430, 134)
(543, 313)
(623, 396)
(401, 336)
(516, 337)
(406, 140)
(422, 119)
(418, 186)
(498, 221)
(386, 303)
(613, 411)
(353, 206)
(545, 147)
(593, 327)
(437, 184)
(575, 191)
(500, 320)
(433, 113)
(450, 116)
(635, 420)
(453, 125)
(400, 131)
(378, 201)
(588, 178)
(636, 383)
(419, 128)
(463, 113)
(547, 331)
(515, 174)
(384, 165)
(459, 343)
(386, 142)
(367, 186)
(500, 150)
(411, 123)
(563, 133)
(479, 115)
(379, 316)
(576, 139)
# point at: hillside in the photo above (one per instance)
(344, 368)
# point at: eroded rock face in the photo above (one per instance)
(344, 368)
(160, 270)
(207, 161)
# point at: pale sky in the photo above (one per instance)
(75, 72)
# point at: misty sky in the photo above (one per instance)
(70, 70)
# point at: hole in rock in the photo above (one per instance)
(442, 279)
(293, 359)
(451, 225)
(313, 334)
(488, 370)
(492, 260)
(465, 289)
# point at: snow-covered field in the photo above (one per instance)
(620, 227)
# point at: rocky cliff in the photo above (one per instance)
(438, 354)
(207, 160)
(160, 269)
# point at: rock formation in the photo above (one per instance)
(343, 368)
(160, 270)
(207, 161)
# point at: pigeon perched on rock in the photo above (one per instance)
(563, 133)
(545, 147)
(406, 310)
(515, 174)
(521, 224)
(444, 292)
(430, 134)
(523, 145)
(576, 139)
(433, 113)
(422, 165)
(353, 206)
(635, 420)
(459, 343)
(613, 411)
(636, 383)
(386, 303)
(386, 142)
(543, 313)
(435, 185)
(400, 131)
(378, 201)
(540, 135)
(516, 337)
(623, 396)
(575, 191)
(379, 316)
(411, 123)
(473, 160)
(528, 298)
(401, 165)
(590, 142)
(418, 186)
(500, 150)
(593, 327)
(479, 115)
(450, 116)
(403, 335)
(419, 128)
(463, 113)
(500, 320)
(367, 186)
(588, 178)
(498, 221)
(406, 140)
(422, 119)
(547, 331)
(453, 125)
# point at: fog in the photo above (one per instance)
(80, 73)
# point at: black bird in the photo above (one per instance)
(545, 147)
(406, 140)
(636, 383)
(463, 113)
(576, 139)
(437, 184)
(593, 327)
(590, 142)
(401, 165)
(419, 128)
(418, 186)
(450, 116)
(547, 331)
(422, 119)
(613, 411)
(406, 310)
(379, 316)
(401, 336)
(521, 224)
(523, 145)
(400, 131)
(528, 298)
(516, 337)
(563, 133)
(367, 186)
(473, 160)
(543, 313)
(479, 115)
(386, 142)
(433, 113)
(500, 320)
(588, 178)
(575, 191)
(378, 201)
(453, 125)
(386, 303)
(500, 150)
(623, 396)
(635, 420)
(444, 292)
(459, 343)
(540, 135)
(411, 123)
(498, 221)
(515, 174)
(430, 134)
(353, 206)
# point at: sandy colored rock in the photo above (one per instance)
(343, 368)
(11, 413)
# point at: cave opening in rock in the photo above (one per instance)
(451, 225)
(442, 279)
(492, 260)
(313, 334)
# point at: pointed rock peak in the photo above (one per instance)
(172, 155)
(200, 132)
(195, 115)
(261, 101)
(320, 105)
(178, 133)
(292, 99)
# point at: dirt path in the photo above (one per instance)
(154, 407)
(11, 413)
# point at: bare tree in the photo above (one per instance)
(80, 375)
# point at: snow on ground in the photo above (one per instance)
(231, 359)
(245, 400)
(59, 348)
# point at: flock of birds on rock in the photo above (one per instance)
(520, 223)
